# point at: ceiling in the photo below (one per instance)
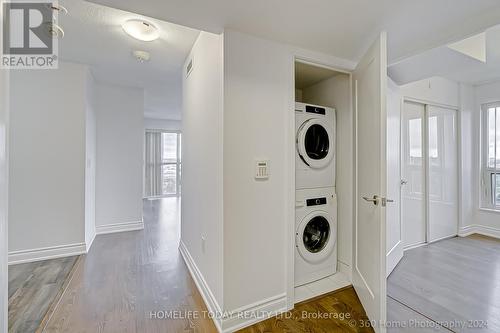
(446, 62)
(94, 36)
(343, 28)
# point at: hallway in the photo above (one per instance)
(128, 278)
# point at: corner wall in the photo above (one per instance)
(202, 168)
(484, 221)
(47, 162)
(259, 216)
(119, 166)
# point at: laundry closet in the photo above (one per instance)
(324, 179)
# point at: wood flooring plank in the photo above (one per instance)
(454, 282)
(34, 288)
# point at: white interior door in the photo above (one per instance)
(413, 174)
(369, 248)
(443, 173)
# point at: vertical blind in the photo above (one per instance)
(152, 177)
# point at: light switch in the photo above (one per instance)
(261, 169)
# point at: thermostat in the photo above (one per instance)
(261, 169)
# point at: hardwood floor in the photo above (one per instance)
(34, 289)
(454, 282)
(341, 309)
(128, 278)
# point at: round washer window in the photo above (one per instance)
(316, 142)
(316, 234)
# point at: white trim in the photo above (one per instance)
(119, 227)
(89, 244)
(414, 246)
(205, 291)
(253, 313)
(394, 256)
(45, 253)
(242, 317)
(443, 238)
(479, 229)
(490, 210)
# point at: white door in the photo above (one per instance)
(369, 249)
(443, 173)
(413, 198)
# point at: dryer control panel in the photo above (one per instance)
(316, 202)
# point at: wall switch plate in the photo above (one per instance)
(262, 169)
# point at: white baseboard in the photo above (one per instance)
(254, 313)
(89, 244)
(24, 256)
(479, 229)
(119, 227)
(394, 256)
(203, 288)
(230, 321)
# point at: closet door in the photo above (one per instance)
(443, 173)
(413, 174)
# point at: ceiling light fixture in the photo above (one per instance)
(141, 30)
(141, 56)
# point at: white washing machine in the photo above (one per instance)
(315, 146)
(315, 234)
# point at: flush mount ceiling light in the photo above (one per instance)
(141, 30)
(141, 56)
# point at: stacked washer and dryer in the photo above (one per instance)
(316, 201)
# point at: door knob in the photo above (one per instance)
(373, 200)
(404, 182)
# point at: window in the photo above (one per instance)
(162, 172)
(491, 155)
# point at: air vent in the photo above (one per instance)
(189, 67)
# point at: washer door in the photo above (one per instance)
(315, 143)
(315, 237)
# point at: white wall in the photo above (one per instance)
(47, 158)
(119, 174)
(483, 221)
(259, 124)
(257, 85)
(163, 124)
(202, 168)
(336, 92)
(90, 161)
(437, 90)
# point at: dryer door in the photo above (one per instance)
(315, 237)
(315, 143)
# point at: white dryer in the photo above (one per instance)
(315, 234)
(315, 146)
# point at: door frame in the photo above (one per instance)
(333, 64)
(426, 104)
